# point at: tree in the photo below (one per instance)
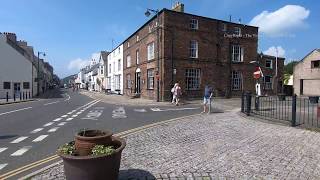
(288, 68)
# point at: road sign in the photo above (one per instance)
(257, 73)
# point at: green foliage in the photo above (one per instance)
(102, 150)
(288, 68)
(286, 78)
(68, 148)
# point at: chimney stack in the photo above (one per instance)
(11, 36)
(179, 7)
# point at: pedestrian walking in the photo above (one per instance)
(208, 92)
(177, 93)
(172, 91)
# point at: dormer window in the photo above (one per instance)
(194, 24)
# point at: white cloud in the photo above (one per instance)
(282, 21)
(77, 64)
(272, 51)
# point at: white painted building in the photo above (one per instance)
(102, 74)
(16, 69)
(115, 70)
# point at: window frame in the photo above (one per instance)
(6, 84)
(137, 56)
(150, 79)
(224, 27)
(128, 81)
(26, 85)
(236, 81)
(267, 85)
(237, 31)
(315, 62)
(193, 79)
(240, 53)
(128, 61)
(119, 65)
(270, 63)
(150, 56)
(194, 49)
(194, 24)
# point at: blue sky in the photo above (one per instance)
(70, 32)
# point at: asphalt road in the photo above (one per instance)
(32, 131)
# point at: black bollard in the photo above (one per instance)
(29, 95)
(14, 96)
(20, 96)
(7, 96)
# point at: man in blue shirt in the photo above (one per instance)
(208, 92)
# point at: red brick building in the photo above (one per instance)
(193, 51)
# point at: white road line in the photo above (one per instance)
(62, 123)
(140, 110)
(63, 116)
(19, 139)
(79, 112)
(53, 129)
(36, 130)
(51, 103)
(58, 119)
(69, 119)
(21, 151)
(3, 149)
(3, 165)
(74, 115)
(15, 111)
(40, 138)
(69, 112)
(48, 124)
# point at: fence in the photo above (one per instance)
(296, 111)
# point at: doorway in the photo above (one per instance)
(138, 81)
(16, 89)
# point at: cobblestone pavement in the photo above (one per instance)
(217, 146)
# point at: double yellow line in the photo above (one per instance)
(54, 157)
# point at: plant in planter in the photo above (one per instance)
(95, 158)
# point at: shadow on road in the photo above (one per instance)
(53, 93)
(135, 174)
(7, 136)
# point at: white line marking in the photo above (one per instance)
(48, 124)
(15, 111)
(176, 109)
(21, 151)
(62, 123)
(3, 165)
(40, 138)
(140, 110)
(36, 130)
(58, 119)
(69, 119)
(51, 103)
(53, 129)
(79, 112)
(3, 149)
(19, 139)
(74, 115)
(63, 116)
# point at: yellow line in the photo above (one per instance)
(121, 134)
(27, 167)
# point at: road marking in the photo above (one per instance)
(54, 157)
(21, 151)
(3, 149)
(48, 124)
(15, 111)
(53, 129)
(40, 138)
(176, 109)
(93, 114)
(69, 119)
(140, 110)
(62, 123)
(19, 139)
(63, 116)
(74, 115)
(58, 119)
(51, 103)
(79, 112)
(3, 165)
(119, 113)
(36, 130)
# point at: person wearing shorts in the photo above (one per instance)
(208, 92)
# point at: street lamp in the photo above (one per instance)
(38, 74)
(148, 13)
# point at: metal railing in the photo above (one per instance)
(296, 111)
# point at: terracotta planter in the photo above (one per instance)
(94, 167)
(87, 139)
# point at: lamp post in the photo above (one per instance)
(148, 13)
(38, 73)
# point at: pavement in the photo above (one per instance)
(10, 101)
(215, 146)
(30, 132)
